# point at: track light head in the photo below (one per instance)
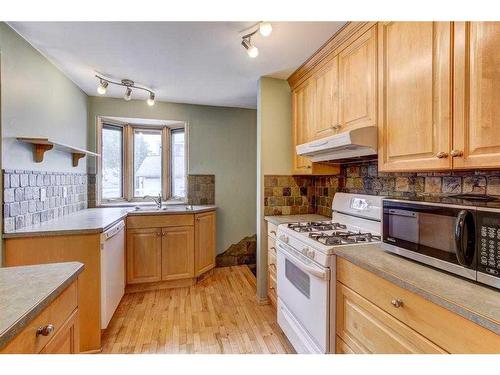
(128, 94)
(265, 29)
(252, 51)
(151, 99)
(103, 85)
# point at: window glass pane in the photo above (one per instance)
(112, 162)
(147, 162)
(178, 164)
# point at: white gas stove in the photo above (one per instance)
(306, 268)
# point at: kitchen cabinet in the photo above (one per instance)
(205, 246)
(144, 252)
(377, 316)
(415, 103)
(177, 253)
(358, 82)
(476, 132)
(302, 113)
(326, 106)
(271, 263)
(61, 324)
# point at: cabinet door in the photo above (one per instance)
(204, 242)
(66, 339)
(477, 95)
(326, 82)
(415, 104)
(303, 112)
(365, 328)
(358, 72)
(177, 253)
(143, 255)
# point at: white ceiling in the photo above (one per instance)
(183, 62)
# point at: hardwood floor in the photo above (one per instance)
(218, 315)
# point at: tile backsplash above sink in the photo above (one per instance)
(32, 197)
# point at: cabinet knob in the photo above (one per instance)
(336, 127)
(456, 153)
(397, 303)
(45, 330)
(442, 155)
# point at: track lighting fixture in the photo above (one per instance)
(128, 84)
(265, 29)
(102, 87)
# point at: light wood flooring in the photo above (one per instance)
(218, 315)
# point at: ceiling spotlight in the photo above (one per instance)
(252, 51)
(101, 89)
(128, 94)
(265, 28)
(151, 99)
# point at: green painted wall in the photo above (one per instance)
(38, 100)
(274, 150)
(222, 141)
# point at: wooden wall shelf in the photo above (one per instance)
(42, 145)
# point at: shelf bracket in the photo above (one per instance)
(76, 158)
(39, 150)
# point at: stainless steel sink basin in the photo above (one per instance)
(150, 208)
(175, 208)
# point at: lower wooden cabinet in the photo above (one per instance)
(180, 248)
(144, 253)
(62, 314)
(374, 315)
(204, 253)
(177, 253)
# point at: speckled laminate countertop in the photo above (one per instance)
(474, 302)
(283, 219)
(97, 220)
(25, 291)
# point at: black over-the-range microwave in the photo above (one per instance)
(461, 239)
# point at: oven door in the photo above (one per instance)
(303, 300)
(441, 236)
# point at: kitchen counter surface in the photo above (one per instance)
(97, 220)
(283, 219)
(26, 291)
(474, 302)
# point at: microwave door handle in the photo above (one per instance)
(459, 239)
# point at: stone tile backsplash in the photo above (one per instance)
(364, 178)
(32, 197)
(201, 189)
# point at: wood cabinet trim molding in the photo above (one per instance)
(326, 51)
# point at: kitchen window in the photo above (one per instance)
(141, 160)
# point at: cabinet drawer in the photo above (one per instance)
(271, 287)
(57, 313)
(159, 221)
(271, 245)
(341, 347)
(450, 331)
(271, 230)
(365, 328)
(271, 258)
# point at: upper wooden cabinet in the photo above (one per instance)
(358, 82)
(476, 133)
(415, 103)
(302, 113)
(326, 105)
(205, 247)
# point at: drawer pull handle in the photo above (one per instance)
(45, 330)
(397, 303)
(273, 248)
(273, 232)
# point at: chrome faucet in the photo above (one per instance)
(157, 200)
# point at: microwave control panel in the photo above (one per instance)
(489, 243)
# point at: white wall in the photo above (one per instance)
(38, 100)
(274, 150)
(222, 142)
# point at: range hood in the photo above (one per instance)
(350, 144)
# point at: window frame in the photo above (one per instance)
(128, 189)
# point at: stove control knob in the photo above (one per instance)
(283, 238)
(310, 253)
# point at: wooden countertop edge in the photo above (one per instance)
(7, 335)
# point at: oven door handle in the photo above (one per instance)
(321, 274)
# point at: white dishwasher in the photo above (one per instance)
(112, 271)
